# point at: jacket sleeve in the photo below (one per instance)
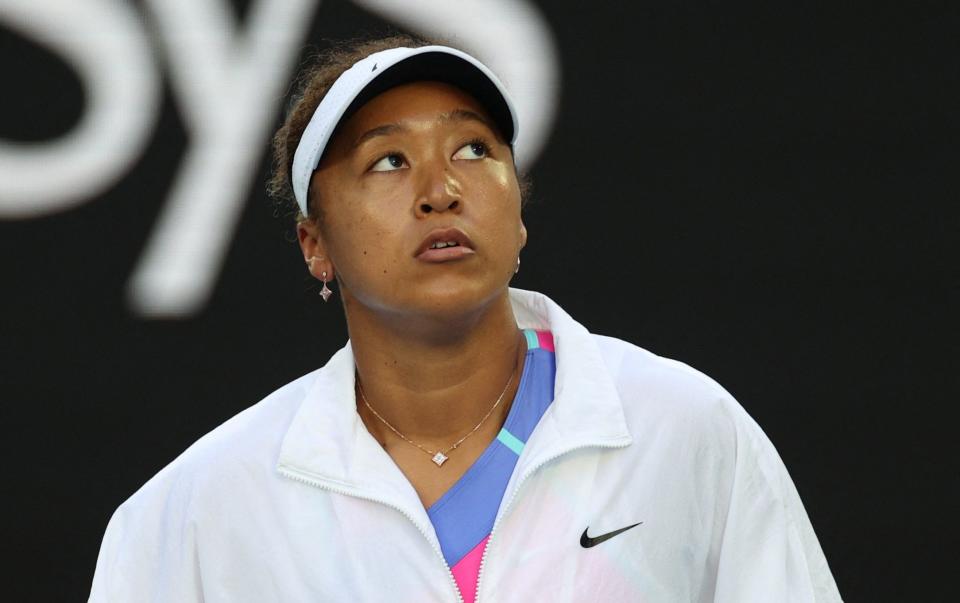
(149, 550)
(768, 550)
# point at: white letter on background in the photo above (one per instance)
(228, 83)
(102, 40)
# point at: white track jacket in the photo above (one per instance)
(293, 500)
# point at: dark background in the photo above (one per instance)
(768, 194)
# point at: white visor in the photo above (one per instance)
(383, 70)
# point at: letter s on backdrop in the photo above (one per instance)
(122, 89)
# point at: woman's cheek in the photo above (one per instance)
(503, 176)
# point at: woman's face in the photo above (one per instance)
(416, 168)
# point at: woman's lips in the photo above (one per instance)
(461, 246)
(445, 254)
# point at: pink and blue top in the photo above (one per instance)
(463, 517)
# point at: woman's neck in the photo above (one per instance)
(434, 382)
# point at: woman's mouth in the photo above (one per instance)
(444, 245)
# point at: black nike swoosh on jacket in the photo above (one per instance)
(587, 542)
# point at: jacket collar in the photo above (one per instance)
(328, 443)
(586, 410)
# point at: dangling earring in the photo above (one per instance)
(325, 292)
(518, 265)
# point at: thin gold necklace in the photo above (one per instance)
(439, 456)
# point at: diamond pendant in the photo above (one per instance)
(325, 293)
(439, 458)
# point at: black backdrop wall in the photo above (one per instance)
(768, 194)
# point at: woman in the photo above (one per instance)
(470, 442)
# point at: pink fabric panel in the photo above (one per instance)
(546, 340)
(467, 570)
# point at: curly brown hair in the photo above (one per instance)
(310, 86)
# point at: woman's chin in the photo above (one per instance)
(435, 301)
(451, 301)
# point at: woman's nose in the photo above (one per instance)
(439, 192)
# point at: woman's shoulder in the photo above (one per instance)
(157, 528)
(667, 393)
(672, 406)
(635, 368)
(246, 445)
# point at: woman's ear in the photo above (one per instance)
(314, 250)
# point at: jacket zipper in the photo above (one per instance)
(513, 496)
(307, 479)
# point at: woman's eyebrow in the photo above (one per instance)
(378, 131)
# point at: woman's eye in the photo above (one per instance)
(389, 163)
(471, 150)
